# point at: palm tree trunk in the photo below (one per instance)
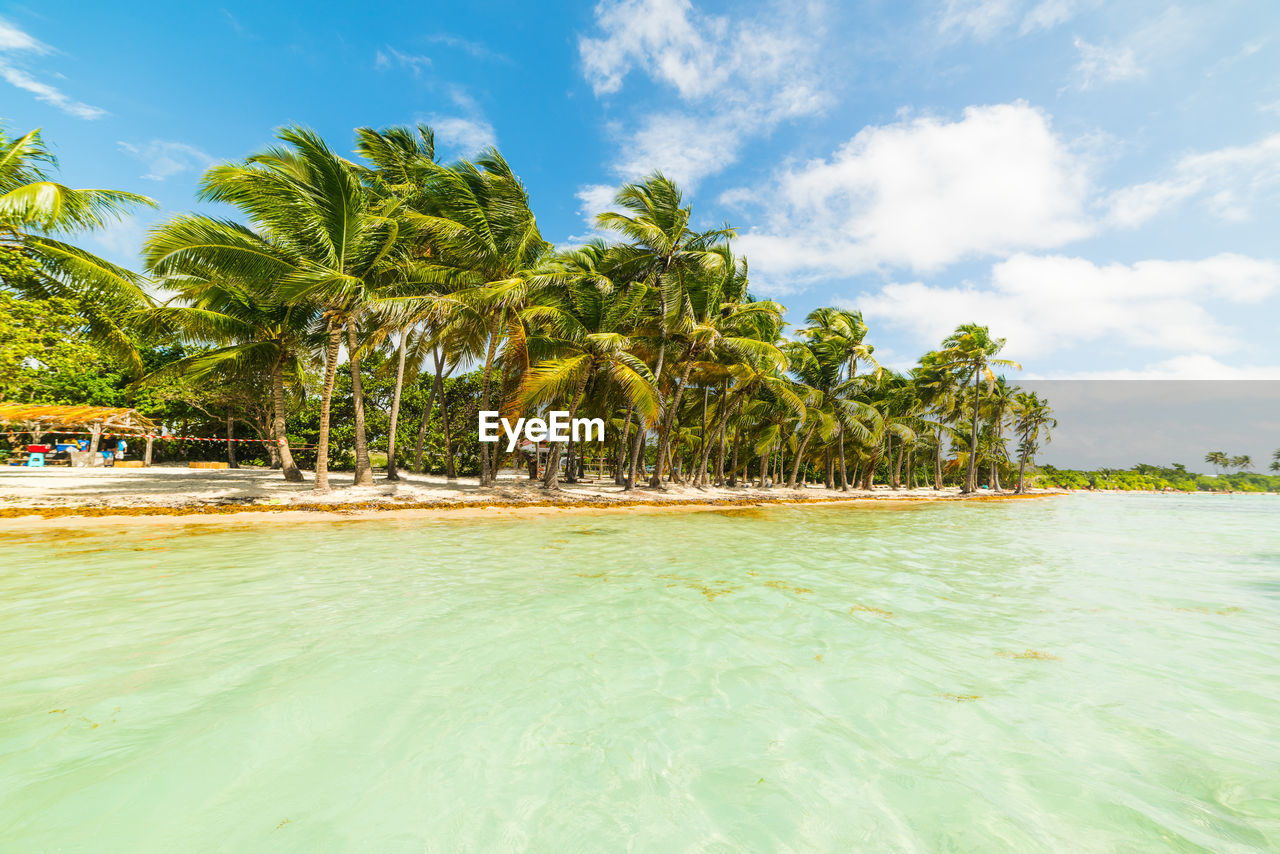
(704, 454)
(1022, 474)
(720, 442)
(364, 470)
(326, 402)
(764, 468)
(291, 472)
(795, 464)
(637, 447)
(620, 456)
(436, 386)
(869, 478)
(737, 444)
(231, 442)
(450, 467)
(487, 477)
(971, 470)
(392, 474)
(553, 465)
(844, 471)
(704, 450)
(668, 420)
(937, 462)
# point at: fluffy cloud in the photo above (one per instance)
(1047, 303)
(735, 77)
(15, 42)
(983, 19)
(1192, 366)
(1229, 181)
(1160, 39)
(1099, 64)
(924, 193)
(164, 158)
(467, 135)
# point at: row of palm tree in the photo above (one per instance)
(439, 266)
(1219, 460)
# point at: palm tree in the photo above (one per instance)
(251, 325)
(1217, 459)
(665, 253)
(939, 390)
(1242, 463)
(1275, 460)
(970, 351)
(1000, 403)
(579, 337)
(1032, 416)
(485, 248)
(34, 208)
(337, 247)
(842, 333)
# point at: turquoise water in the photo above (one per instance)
(1087, 673)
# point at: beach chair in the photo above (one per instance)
(35, 459)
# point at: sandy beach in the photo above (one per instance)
(174, 492)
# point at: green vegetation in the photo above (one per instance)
(1157, 478)
(332, 305)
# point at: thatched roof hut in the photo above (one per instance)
(41, 418)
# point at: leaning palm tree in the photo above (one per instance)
(1033, 415)
(33, 209)
(1242, 463)
(1217, 459)
(251, 327)
(486, 248)
(581, 329)
(336, 247)
(970, 351)
(664, 252)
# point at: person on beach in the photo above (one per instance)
(122, 447)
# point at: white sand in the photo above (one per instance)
(178, 486)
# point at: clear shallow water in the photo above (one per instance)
(791, 679)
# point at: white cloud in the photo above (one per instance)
(1044, 304)
(466, 135)
(164, 158)
(1230, 181)
(1191, 366)
(983, 19)
(979, 18)
(595, 199)
(924, 193)
(736, 77)
(1048, 14)
(384, 60)
(1161, 39)
(14, 41)
(1098, 64)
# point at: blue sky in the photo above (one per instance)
(1098, 181)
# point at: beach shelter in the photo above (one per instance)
(39, 419)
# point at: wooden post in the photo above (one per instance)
(146, 456)
(97, 437)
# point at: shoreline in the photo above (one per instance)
(12, 518)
